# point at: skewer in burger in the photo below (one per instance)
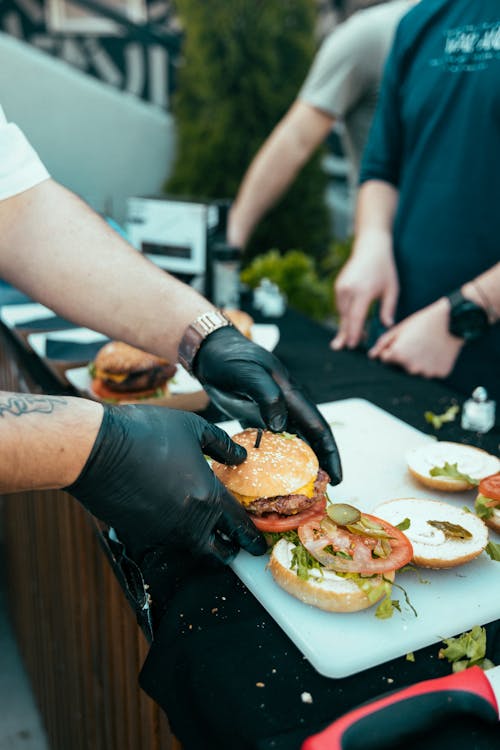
(331, 556)
(124, 373)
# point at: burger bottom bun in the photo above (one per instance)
(444, 484)
(473, 461)
(431, 548)
(330, 592)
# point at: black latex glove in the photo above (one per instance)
(147, 477)
(250, 384)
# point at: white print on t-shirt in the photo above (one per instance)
(471, 47)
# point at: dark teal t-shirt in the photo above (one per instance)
(436, 137)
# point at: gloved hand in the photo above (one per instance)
(147, 477)
(250, 384)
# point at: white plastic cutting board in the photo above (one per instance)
(373, 445)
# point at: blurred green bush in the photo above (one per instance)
(307, 284)
(243, 64)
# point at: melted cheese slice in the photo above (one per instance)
(116, 378)
(307, 490)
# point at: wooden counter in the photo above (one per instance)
(77, 634)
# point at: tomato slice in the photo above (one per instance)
(490, 487)
(278, 522)
(356, 550)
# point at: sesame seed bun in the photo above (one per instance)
(330, 592)
(281, 464)
(117, 357)
(431, 548)
(123, 373)
(240, 320)
(472, 461)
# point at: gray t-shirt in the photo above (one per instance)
(345, 77)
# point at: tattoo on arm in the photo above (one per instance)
(20, 403)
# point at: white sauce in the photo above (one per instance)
(475, 463)
(428, 541)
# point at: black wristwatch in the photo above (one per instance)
(468, 320)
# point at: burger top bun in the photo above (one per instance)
(434, 547)
(240, 320)
(328, 591)
(117, 357)
(474, 462)
(281, 464)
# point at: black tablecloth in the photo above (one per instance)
(224, 672)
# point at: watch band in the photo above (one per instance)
(197, 332)
(468, 320)
(456, 298)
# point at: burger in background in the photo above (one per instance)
(240, 320)
(122, 373)
(280, 483)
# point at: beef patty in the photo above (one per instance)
(288, 505)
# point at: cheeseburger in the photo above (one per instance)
(123, 373)
(240, 320)
(280, 483)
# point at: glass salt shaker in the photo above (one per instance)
(478, 412)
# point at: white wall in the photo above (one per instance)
(101, 143)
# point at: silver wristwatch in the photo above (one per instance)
(197, 332)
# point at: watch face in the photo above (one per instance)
(468, 321)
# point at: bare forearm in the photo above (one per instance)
(59, 251)
(376, 207)
(45, 440)
(275, 167)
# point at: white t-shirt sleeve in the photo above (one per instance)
(340, 73)
(20, 165)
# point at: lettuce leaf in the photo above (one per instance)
(481, 509)
(451, 471)
(466, 650)
(493, 550)
(438, 420)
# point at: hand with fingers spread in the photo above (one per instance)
(369, 275)
(421, 343)
(250, 384)
(147, 477)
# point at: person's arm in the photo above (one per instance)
(45, 439)
(57, 250)
(275, 166)
(141, 469)
(370, 272)
(422, 343)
